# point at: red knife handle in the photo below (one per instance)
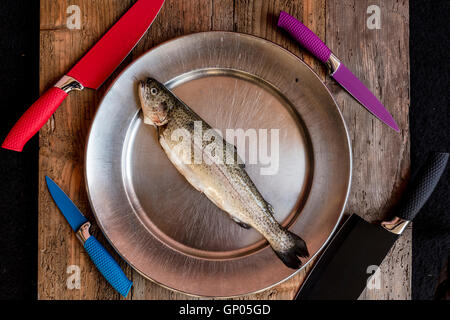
(38, 114)
(34, 119)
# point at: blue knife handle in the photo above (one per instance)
(108, 267)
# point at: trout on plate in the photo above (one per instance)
(224, 182)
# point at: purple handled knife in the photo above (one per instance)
(338, 70)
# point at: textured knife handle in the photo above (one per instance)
(304, 36)
(34, 119)
(108, 267)
(422, 186)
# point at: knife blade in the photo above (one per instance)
(104, 262)
(337, 69)
(342, 271)
(90, 72)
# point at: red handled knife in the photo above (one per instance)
(90, 72)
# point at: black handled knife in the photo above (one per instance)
(341, 271)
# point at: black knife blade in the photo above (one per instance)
(342, 271)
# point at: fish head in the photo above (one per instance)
(155, 101)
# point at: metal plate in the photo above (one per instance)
(174, 235)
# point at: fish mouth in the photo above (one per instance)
(158, 121)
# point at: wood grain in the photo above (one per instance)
(381, 157)
(62, 142)
(381, 161)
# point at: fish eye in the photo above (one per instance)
(154, 91)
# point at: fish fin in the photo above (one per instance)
(290, 256)
(241, 224)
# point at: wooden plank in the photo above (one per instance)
(254, 17)
(176, 18)
(260, 19)
(379, 154)
(62, 143)
(381, 162)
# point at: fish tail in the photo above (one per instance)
(295, 247)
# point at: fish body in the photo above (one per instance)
(213, 167)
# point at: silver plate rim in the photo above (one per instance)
(350, 171)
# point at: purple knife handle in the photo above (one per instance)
(304, 36)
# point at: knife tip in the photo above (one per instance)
(389, 120)
(48, 180)
(394, 126)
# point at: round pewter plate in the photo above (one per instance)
(171, 233)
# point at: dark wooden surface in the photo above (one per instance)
(380, 58)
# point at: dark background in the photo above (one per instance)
(429, 118)
(430, 128)
(19, 80)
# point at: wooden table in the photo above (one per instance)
(379, 57)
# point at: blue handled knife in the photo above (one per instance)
(104, 262)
